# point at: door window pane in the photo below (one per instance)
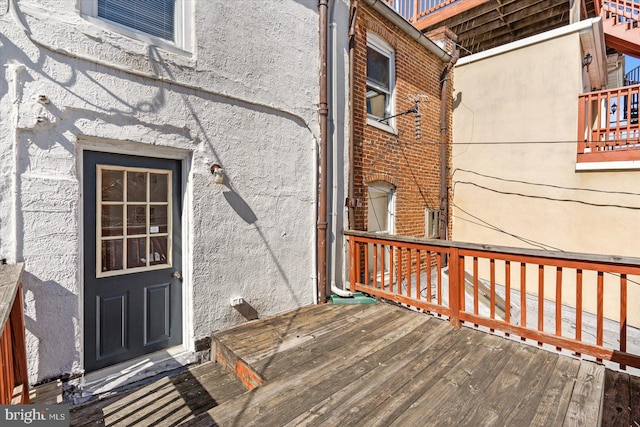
(158, 219)
(136, 187)
(112, 220)
(111, 255)
(136, 250)
(158, 187)
(112, 185)
(158, 252)
(136, 219)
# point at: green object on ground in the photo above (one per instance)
(357, 298)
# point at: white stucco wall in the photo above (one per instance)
(245, 97)
(514, 160)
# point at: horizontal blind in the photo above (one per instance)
(153, 17)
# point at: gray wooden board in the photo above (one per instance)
(322, 376)
(456, 390)
(401, 351)
(554, 401)
(634, 400)
(616, 406)
(180, 396)
(586, 399)
(357, 399)
(246, 341)
(327, 346)
(380, 391)
(283, 342)
(515, 392)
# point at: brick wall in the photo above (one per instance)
(411, 165)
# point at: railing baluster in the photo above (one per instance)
(428, 276)
(439, 273)
(492, 283)
(578, 307)
(507, 294)
(558, 303)
(475, 285)
(366, 264)
(600, 311)
(383, 266)
(523, 296)
(623, 316)
(418, 273)
(399, 274)
(540, 299)
(409, 272)
(392, 254)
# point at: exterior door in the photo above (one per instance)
(381, 218)
(132, 257)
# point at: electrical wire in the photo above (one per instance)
(626, 193)
(553, 199)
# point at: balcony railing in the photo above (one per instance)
(14, 384)
(608, 127)
(552, 298)
(412, 10)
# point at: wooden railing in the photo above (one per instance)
(627, 11)
(14, 384)
(573, 302)
(412, 10)
(608, 127)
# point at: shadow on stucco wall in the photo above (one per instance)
(50, 317)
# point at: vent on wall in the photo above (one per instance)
(432, 221)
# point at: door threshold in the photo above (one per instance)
(131, 373)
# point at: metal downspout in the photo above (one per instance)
(444, 145)
(323, 113)
(351, 202)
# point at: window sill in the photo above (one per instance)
(113, 27)
(387, 128)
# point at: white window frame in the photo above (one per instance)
(183, 23)
(378, 44)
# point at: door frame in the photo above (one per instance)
(104, 145)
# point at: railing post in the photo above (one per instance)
(456, 285)
(352, 263)
(416, 4)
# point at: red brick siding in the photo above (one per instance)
(412, 165)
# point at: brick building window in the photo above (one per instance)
(380, 82)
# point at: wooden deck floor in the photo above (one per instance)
(371, 365)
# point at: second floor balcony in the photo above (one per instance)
(608, 129)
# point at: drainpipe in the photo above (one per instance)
(444, 145)
(323, 113)
(351, 201)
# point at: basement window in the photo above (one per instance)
(164, 23)
(380, 82)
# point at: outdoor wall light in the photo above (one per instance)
(614, 108)
(218, 173)
(587, 60)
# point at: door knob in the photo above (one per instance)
(176, 275)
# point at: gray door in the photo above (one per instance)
(132, 257)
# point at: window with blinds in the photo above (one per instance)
(154, 17)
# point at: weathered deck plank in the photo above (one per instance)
(586, 400)
(374, 365)
(553, 403)
(167, 401)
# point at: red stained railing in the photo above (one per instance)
(14, 385)
(412, 10)
(608, 127)
(626, 10)
(538, 290)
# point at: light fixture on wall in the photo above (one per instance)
(614, 108)
(218, 173)
(587, 60)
